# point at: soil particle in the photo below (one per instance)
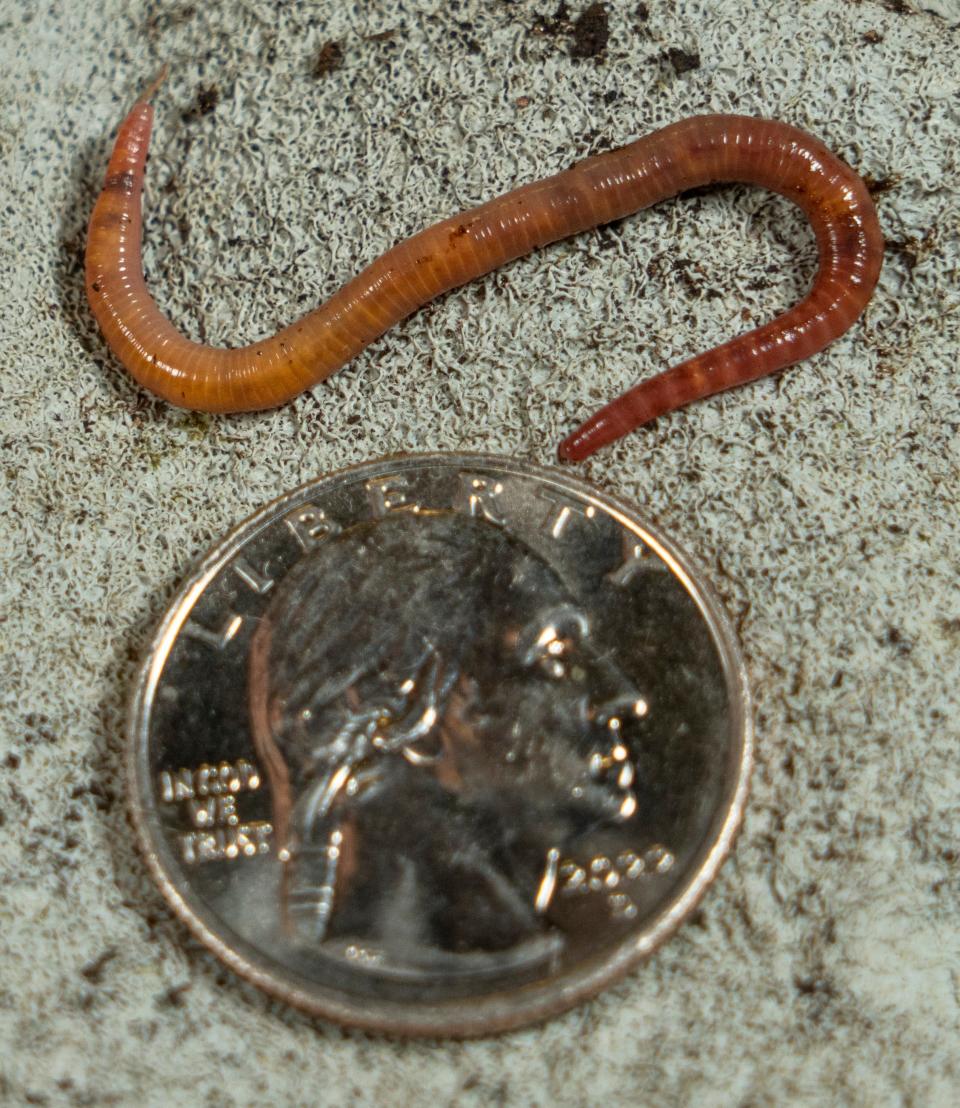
(876, 186)
(591, 33)
(329, 59)
(681, 61)
(208, 96)
(93, 971)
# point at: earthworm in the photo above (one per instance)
(696, 151)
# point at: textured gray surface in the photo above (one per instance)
(825, 965)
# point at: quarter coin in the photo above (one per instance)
(439, 745)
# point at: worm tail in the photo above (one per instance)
(850, 247)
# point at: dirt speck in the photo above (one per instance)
(93, 971)
(557, 24)
(682, 61)
(39, 729)
(174, 997)
(329, 59)
(207, 99)
(894, 637)
(591, 33)
(909, 250)
(872, 37)
(876, 186)
(165, 21)
(208, 96)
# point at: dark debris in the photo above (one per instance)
(207, 99)
(681, 61)
(329, 59)
(591, 33)
(93, 971)
(590, 30)
(876, 186)
(557, 24)
(174, 997)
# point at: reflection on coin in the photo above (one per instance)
(439, 745)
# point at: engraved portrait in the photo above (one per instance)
(438, 726)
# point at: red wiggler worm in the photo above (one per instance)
(697, 151)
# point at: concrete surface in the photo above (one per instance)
(825, 965)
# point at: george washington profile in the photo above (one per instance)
(435, 722)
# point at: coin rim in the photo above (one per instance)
(467, 1017)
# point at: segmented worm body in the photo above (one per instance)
(693, 152)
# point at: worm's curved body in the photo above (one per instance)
(695, 151)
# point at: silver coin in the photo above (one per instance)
(439, 745)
